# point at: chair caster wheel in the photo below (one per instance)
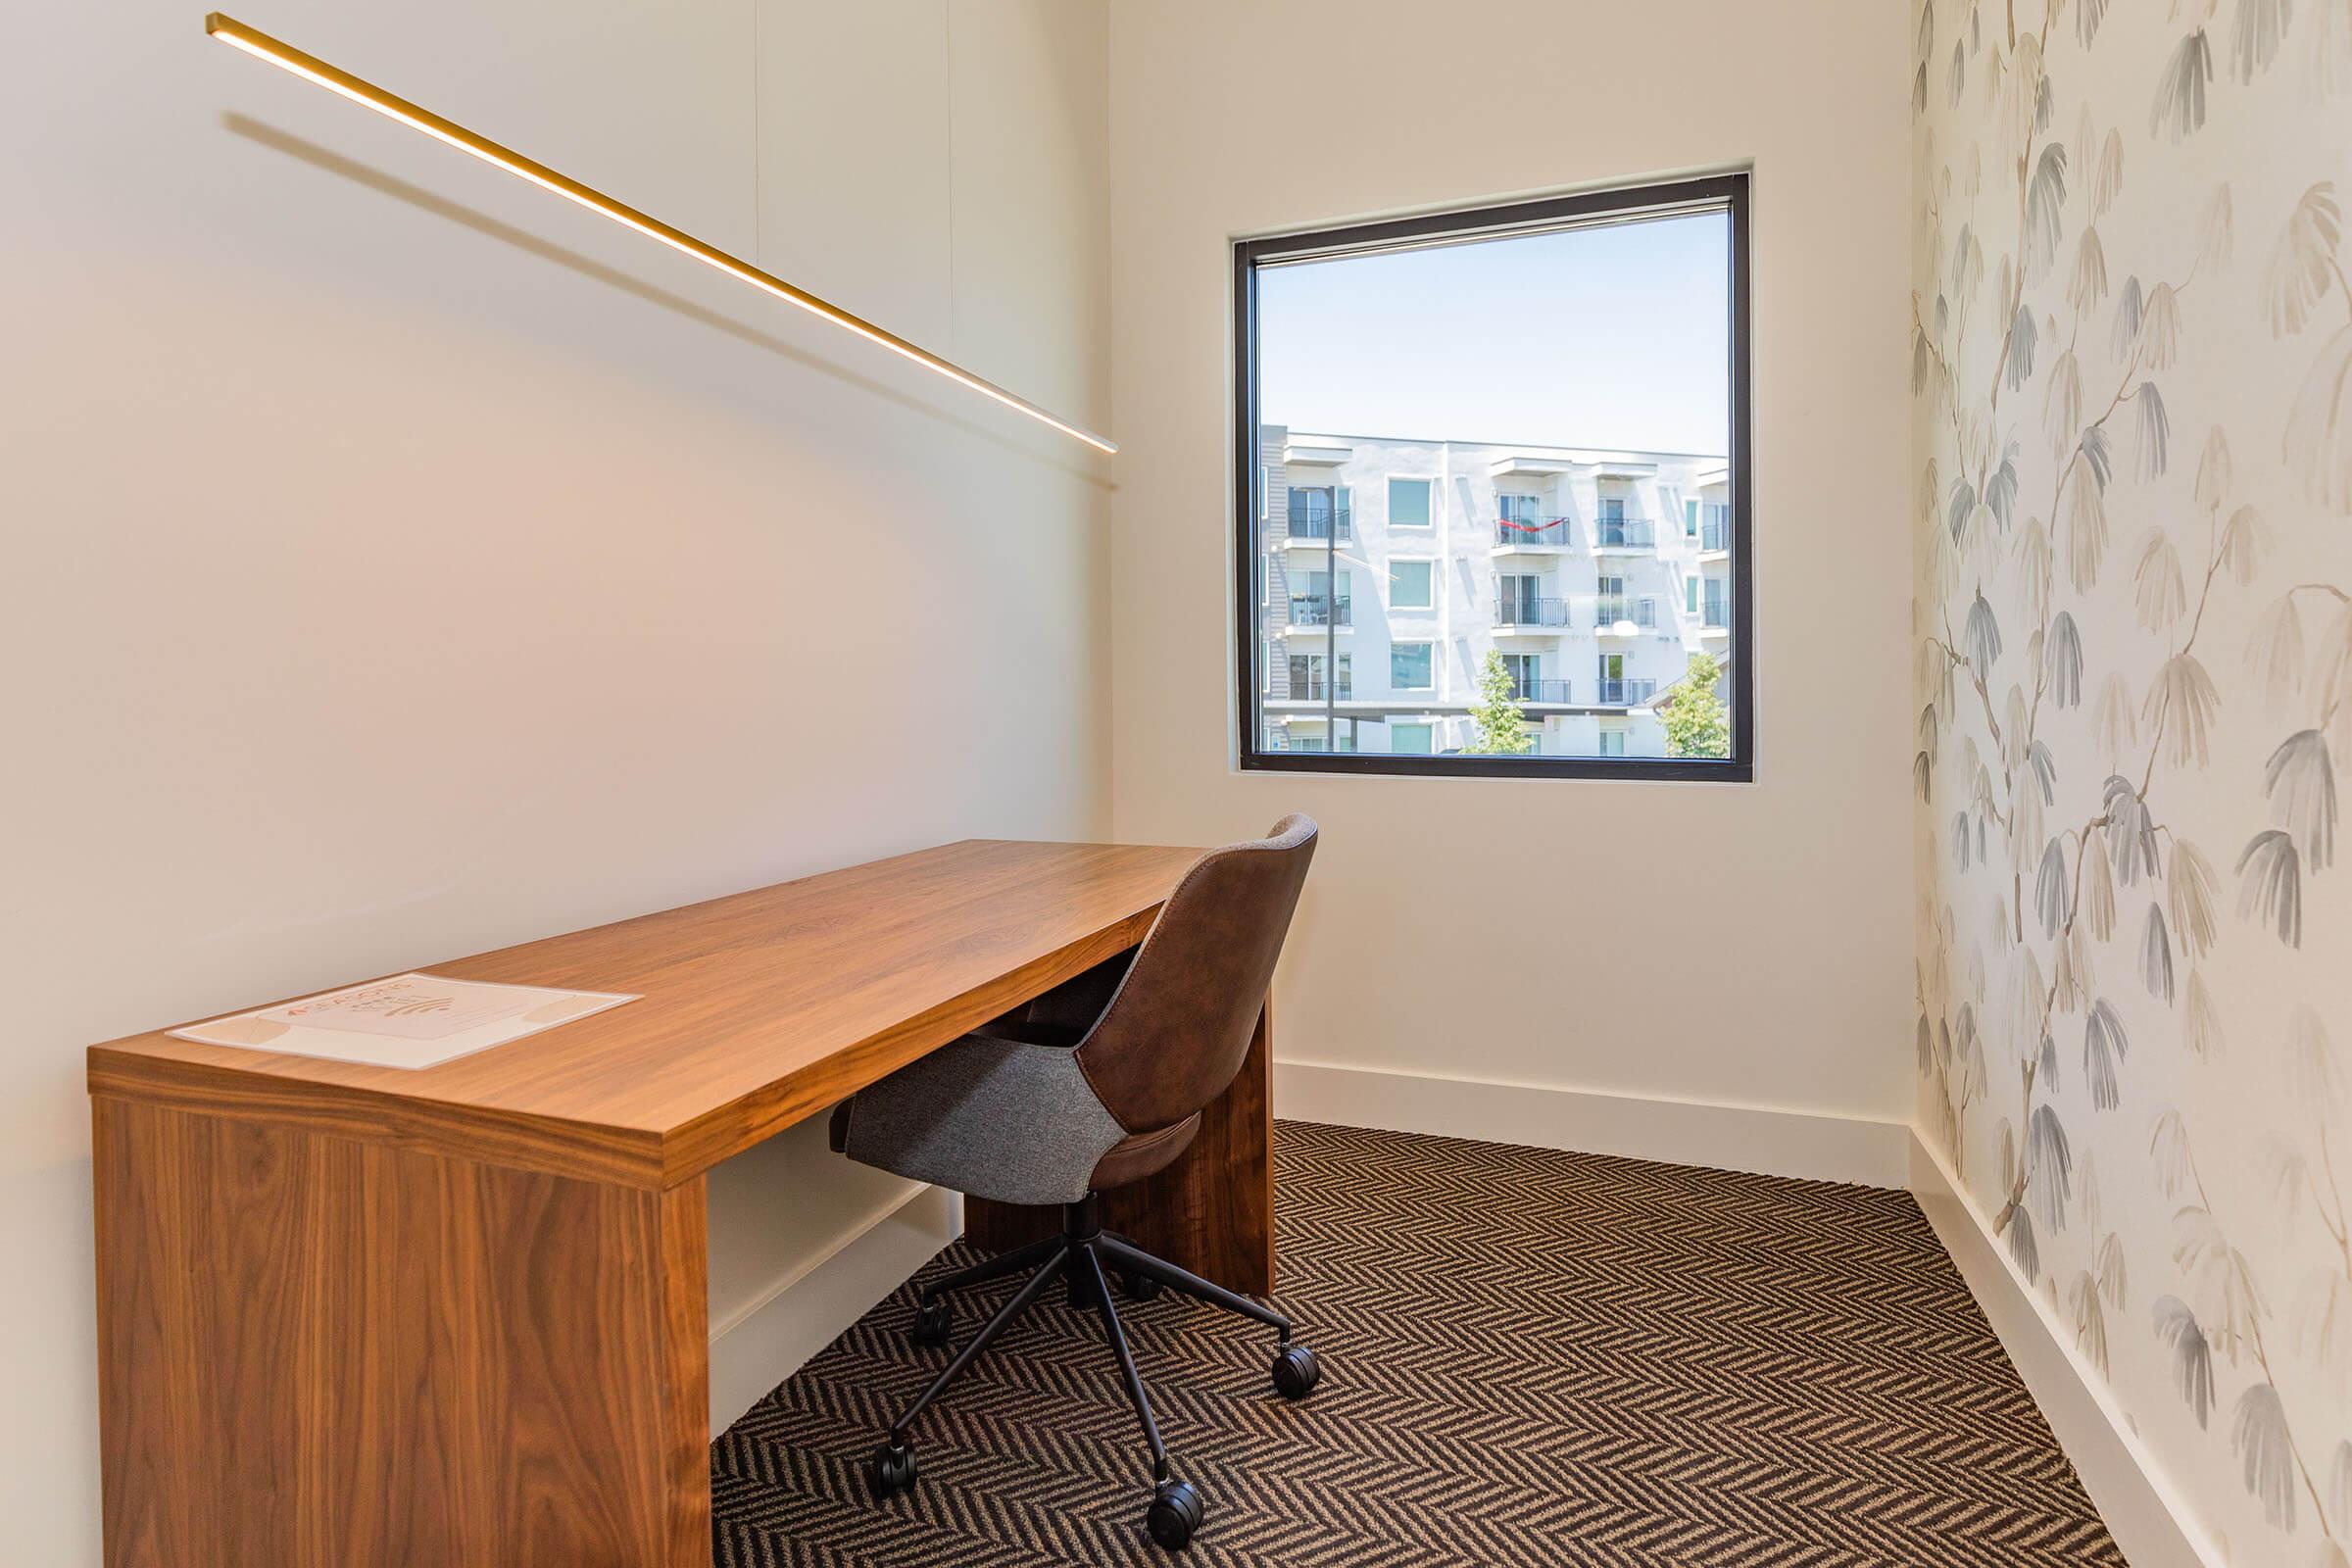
(1175, 1515)
(1139, 1287)
(1297, 1372)
(932, 1322)
(892, 1470)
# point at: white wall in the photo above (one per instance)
(1718, 943)
(402, 562)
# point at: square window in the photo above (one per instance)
(1412, 585)
(1575, 372)
(1411, 667)
(1408, 504)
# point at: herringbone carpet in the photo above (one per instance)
(1530, 1357)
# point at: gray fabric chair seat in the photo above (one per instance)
(945, 1118)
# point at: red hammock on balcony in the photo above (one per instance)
(1531, 527)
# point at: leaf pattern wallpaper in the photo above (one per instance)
(2132, 372)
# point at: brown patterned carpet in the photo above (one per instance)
(1530, 1357)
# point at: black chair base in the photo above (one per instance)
(1083, 1254)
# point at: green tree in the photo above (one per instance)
(1697, 723)
(1502, 728)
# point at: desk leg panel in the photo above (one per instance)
(314, 1350)
(1212, 1212)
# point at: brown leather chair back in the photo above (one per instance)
(1179, 1026)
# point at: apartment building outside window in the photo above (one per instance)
(1542, 408)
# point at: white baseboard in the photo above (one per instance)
(2142, 1508)
(765, 1341)
(1747, 1138)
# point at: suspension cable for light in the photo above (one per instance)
(310, 67)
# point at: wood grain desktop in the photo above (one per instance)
(365, 1316)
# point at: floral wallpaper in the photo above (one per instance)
(2131, 370)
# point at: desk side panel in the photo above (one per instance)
(315, 1350)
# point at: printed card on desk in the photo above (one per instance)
(410, 1020)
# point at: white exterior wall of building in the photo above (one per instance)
(1471, 557)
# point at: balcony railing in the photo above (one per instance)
(1623, 533)
(1715, 615)
(1316, 527)
(1515, 610)
(1531, 531)
(1643, 612)
(1314, 691)
(1321, 610)
(1538, 689)
(1715, 534)
(1625, 693)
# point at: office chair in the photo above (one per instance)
(1095, 1084)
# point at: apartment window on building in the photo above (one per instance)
(1527, 676)
(1307, 676)
(1715, 526)
(1408, 504)
(1548, 401)
(1319, 512)
(1314, 606)
(1412, 666)
(1412, 584)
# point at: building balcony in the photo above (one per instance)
(1319, 611)
(1525, 615)
(1624, 533)
(1316, 691)
(1714, 537)
(1625, 693)
(1610, 613)
(1539, 689)
(1548, 536)
(1715, 618)
(1544, 466)
(1317, 537)
(1280, 739)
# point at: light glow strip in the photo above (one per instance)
(311, 68)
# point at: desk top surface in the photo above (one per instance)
(757, 1009)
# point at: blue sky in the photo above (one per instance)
(1613, 336)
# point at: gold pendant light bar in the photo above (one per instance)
(310, 67)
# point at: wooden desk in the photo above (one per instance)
(362, 1317)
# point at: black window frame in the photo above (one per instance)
(1727, 193)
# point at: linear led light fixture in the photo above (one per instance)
(310, 67)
